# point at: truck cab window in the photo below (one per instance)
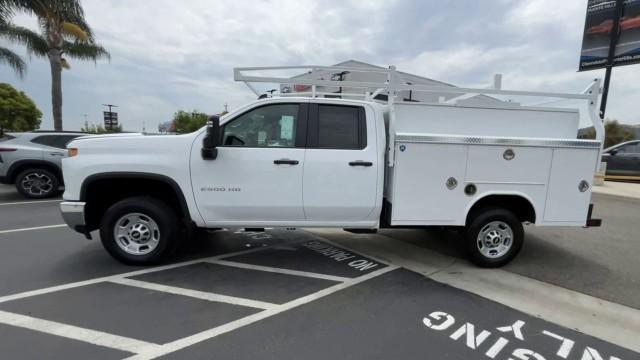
(266, 126)
(340, 127)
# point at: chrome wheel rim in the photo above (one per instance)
(37, 183)
(495, 239)
(136, 234)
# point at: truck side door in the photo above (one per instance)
(341, 165)
(256, 178)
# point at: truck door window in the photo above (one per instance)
(341, 127)
(267, 126)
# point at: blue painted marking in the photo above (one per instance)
(403, 148)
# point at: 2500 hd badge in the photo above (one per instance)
(220, 189)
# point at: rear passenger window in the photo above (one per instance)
(341, 127)
(47, 140)
(62, 141)
(56, 141)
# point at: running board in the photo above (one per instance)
(361, 231)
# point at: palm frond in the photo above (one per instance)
(71, 11)
(13, 60)
(74, 31)
(29, 7)
(33, 41)
(85, 51)
(6, 12)
(81, 22)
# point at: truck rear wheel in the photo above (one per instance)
(494, 236)
(140, 230)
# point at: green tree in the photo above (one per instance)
(186, 122)
(615, 133)
(17, 111)
(64, 32)
(99, 129)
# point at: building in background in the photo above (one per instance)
(409, 79)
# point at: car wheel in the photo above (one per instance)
(140, 231)
(37, 183)
(494, 236)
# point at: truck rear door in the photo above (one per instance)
(341, 165)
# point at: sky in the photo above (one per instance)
(168, 55)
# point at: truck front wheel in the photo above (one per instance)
(494, 236)
(139, 230)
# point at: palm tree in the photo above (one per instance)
(7, 56)
(64, 33)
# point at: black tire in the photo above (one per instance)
(486, 220)
(166, 222)
(46, 183)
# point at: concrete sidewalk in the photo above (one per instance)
(624, 189)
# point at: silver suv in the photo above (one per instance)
(32, 161)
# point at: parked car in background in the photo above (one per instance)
(623, 161)
(31, 161)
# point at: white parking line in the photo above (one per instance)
(28, 202)
(176, 345)
(195, 294)
(77, 333)
(32, 228)
(279, 270)
(146, 350)
(51, 289)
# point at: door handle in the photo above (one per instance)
(360, 163)
(286, 162)
(56, 154)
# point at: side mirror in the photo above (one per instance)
(211, 139)
(612, 152)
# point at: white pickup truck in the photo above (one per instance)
(315, 159)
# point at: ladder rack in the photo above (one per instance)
(393, 84)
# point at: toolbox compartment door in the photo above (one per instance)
(420, 192)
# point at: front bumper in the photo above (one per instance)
(73, 214)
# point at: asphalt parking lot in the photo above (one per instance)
(602, 262)
(290, 295)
